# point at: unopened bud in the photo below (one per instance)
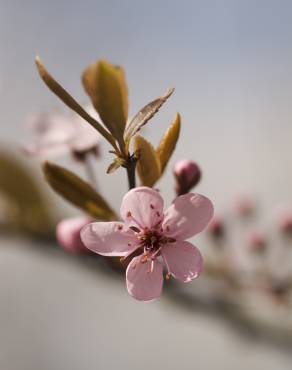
(187, 174)
(257, 241)
(216, 227)
(285, 222)
(68, 233)
(245, 205)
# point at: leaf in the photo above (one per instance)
(66, 98)
(75, 190)
(118, 162)
(168, 142)
(148, 165)
(106, 86)
(24, 205)
(144, 115)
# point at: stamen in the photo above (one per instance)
(135, 229)
(168, 276)
(152, 206)
(129, 214)
(144, 258)
(120, 227)
(158, 214)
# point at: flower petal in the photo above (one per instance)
(188, 215)
(183, 260)
(109, 238)
(143, 282)
(142, 207)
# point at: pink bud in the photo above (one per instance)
(285, 222)
(245, 205)
(257, 241)
(187, 174)
(68, 233)
(216, 227)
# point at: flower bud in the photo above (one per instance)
(187, 174)
(68, 233)
(245, 206)
(285, 222)
(257, 241)
(216, 227)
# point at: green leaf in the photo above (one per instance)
(66, 98)
(24, 205)
(118, 162)
(148, 165)
(168, 142)
(106, 86)
(75, 190)
(144, 115)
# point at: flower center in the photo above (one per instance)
(151, 241)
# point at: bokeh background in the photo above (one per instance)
(230, 62)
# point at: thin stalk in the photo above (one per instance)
(131, 172)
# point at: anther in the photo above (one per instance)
(167, 276)
(152, 206)
(129, 214)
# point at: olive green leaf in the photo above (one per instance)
(144, 115)
(24, 205)
(148, 165)
(106, 86)
(75, 190)
(168, 142)
(57, 89)
(117, 162)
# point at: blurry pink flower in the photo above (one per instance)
(285, 222)
(57, 134)
(245, 205)
(216, 227)
(257, 241)
(68, 233)
(159, 237)
(187, 174)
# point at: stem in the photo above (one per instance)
(131, 167)
(90, 171)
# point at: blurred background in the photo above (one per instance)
(230, 63)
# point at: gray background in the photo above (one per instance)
(230, 62)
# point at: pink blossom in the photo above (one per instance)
(187, 174)
(159, 236)
(68, 233)
(55, 134)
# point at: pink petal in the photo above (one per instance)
(183, 260)
(109, 238)
(142, 207)
(68, 233)
(144, 283)
(188, 215)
